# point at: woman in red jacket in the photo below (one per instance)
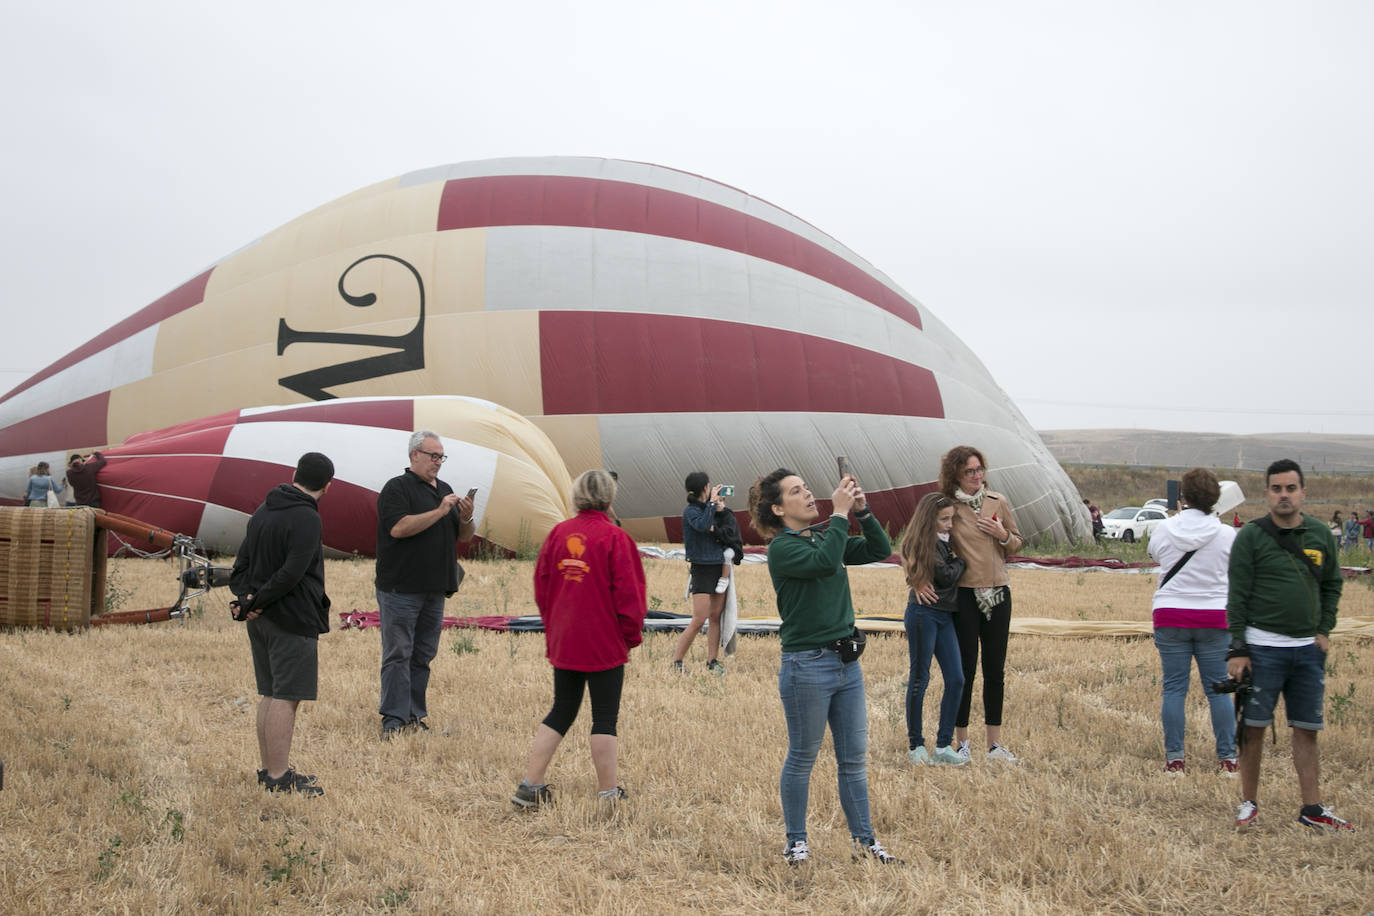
(589, 585)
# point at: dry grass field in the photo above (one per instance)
(129, 757)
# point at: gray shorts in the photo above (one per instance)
(285, 664)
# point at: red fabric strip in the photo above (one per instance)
(595, 203)
(79, 421)
(389, 414)
(604, 363)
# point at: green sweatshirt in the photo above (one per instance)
(811, 582)
(1271, 589)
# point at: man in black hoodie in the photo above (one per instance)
(278, 578)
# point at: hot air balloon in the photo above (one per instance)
(206, 477)
(647, 320)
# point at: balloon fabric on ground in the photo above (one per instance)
(647, 320)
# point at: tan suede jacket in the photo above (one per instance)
(985, 557)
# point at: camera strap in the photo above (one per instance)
(1182, 561)
(1266, 524)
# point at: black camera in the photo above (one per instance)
(237, 611)
(1231, 685)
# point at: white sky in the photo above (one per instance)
(1150, 214)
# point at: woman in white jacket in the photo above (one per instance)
(1190, 615)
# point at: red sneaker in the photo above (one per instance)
(1229, 766)
(1173, 766)
(1247, 814)
(1327, 820)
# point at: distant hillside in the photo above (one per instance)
(1159, 448)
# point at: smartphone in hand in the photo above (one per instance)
(472, 493)
(846, 470)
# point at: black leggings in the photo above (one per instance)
(567, 698)
(972, 628)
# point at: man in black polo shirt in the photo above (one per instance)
(420, 521)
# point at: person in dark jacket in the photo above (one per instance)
(81, 477)
(703, 518)
(278, 580)
(932, 572)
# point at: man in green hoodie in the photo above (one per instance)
(1285, 584)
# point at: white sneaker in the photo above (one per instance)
(1000, 753)
(947, 756)
(919, 756)
(797, 853)
(964, 751)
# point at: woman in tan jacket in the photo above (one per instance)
(984, 534)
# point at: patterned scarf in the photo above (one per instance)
(985, 598)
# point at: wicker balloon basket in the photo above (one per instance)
(52, 568)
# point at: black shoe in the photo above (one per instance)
(715, 666)
(310, 778)
(391, 727)
(291, 781)
(875, 850)
(416, 725)
(531, 797)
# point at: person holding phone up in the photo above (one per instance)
(706, 580)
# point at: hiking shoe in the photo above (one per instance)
(1229, 766)
(1000, 753)
(1323, 819)
(309, 779)
(947, 756)
(416, 725)
(1247, 814)
(715, 666)
(963, 751)
(875, 850)
(919, 756)
(677, 668)
(722, 584)
(614, 795)
(531, 797)
(291, 781)
(1173, 766)
(797, 853)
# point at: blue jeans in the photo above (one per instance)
(411, 625)
(1178, 646)
(1297, 672)
(931, 632)
(816, 688)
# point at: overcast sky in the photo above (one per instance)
(1155, 215)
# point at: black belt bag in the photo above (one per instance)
(850, 647)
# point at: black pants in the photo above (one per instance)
(972, 629)
(568, 687)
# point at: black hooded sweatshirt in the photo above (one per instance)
(281, 563)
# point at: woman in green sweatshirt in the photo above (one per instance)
(807, 563)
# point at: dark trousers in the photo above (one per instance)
(974, 630)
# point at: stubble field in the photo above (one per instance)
(129, 755)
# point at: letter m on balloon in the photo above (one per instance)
(406, 351)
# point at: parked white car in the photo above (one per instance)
(1131, 523)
